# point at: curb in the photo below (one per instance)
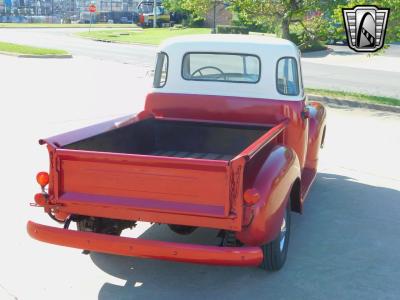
(121, 42)
(46, 56)
(65, 27)
(36, 56)
(353, 103)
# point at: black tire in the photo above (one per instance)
(275, 252)
(182, 230)
(101, 225)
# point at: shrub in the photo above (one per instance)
(315, 46)
(254, 26)
(178, 26)
(196, 22)
(232, 29)
(309, 33)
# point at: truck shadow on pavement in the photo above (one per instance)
(344, 246)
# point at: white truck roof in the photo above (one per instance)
(268, 49)
(226, 41)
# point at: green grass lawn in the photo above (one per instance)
(150, 36)
(41, 25)
(23, 49)
(354, 96)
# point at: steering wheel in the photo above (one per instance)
(209, 67)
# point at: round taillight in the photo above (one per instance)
(251, 196)
(42, 178)
(40, 199)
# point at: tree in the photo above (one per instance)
(280, 13)
(192, 12)
(173, 5)
(196, 7)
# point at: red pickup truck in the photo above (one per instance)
(227, 140)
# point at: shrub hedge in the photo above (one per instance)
(232, 29)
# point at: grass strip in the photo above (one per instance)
(29, 50)
(354, 96)
(149, 36)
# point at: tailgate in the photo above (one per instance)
(166, 185)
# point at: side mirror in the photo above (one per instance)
(306, 113)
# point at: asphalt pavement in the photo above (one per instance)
(344, 246)
(340, 69)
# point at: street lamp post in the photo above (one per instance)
(214, 30)
(154, 14)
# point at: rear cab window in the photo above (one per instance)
(225, 67)
(287, 76)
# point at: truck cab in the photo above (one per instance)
(226, 140)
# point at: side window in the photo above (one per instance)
(161, 71)
(287, 78)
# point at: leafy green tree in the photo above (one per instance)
(196, 10)
(279, 13)
(308, 33)
(173, 5)
(196, 7)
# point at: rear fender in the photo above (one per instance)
(274, 183)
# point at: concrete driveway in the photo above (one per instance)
(342, 69)
(345, 245)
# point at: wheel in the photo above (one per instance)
(102, 225)
(180, 229)
(275, 252)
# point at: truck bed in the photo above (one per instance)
(171, 138)
(157, 170)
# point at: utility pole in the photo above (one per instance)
(111, 11)
(215, 18)
(154, 14)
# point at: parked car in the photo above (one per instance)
(125, 20)
(226, 140)
(146, 14)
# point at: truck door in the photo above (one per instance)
(289, 83)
